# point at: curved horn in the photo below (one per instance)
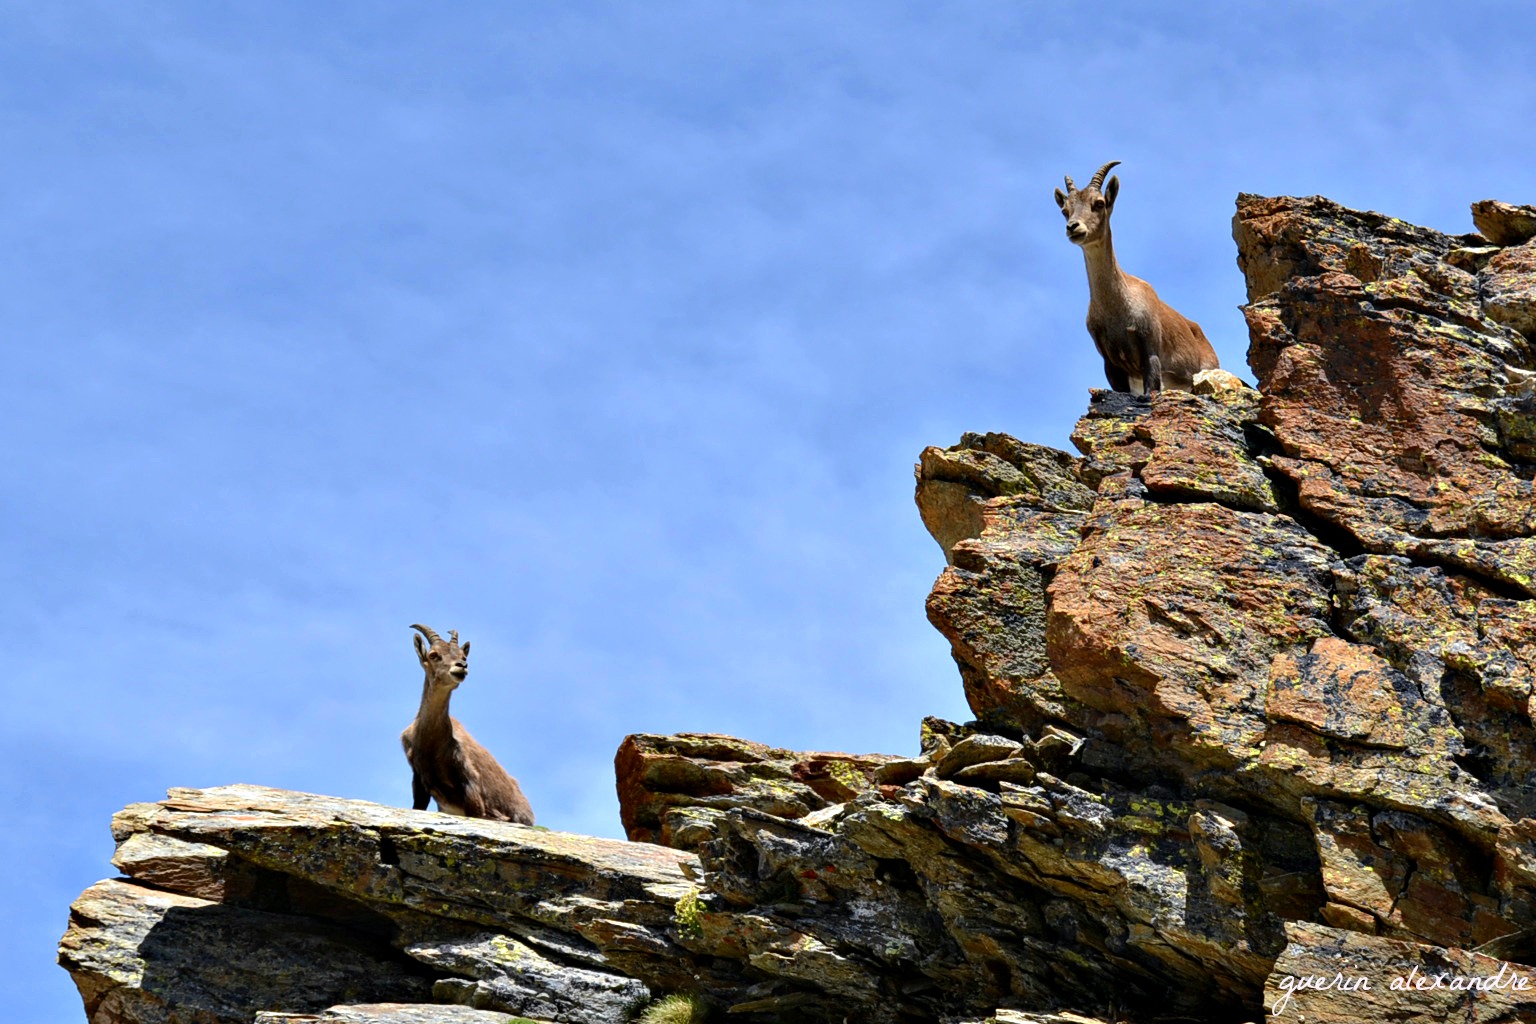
(453, 636)
(424, 631)
(1068, 179)
(1098, 177)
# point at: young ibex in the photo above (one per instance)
(447, 765)
(1146, 344)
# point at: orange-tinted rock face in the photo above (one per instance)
(1313, 600)
(1275, 643)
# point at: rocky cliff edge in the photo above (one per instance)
(1252, 677)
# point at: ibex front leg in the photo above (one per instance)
(1151, 363)
(1118, 379)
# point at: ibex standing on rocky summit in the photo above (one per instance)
(447, 765)
(1146, 343)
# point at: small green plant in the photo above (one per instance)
(688, 914)
(674, 1009)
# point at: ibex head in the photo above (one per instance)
(446, 662)
(1087, 210)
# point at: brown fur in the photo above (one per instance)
(1146, 344)
(447, 764)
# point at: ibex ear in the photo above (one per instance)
(1111, 190)
(1061, 199)
(465, 649)
(421, 649)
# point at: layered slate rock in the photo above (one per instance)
(672, 789)
(145, 956)
(320, 902)
(1252, 678)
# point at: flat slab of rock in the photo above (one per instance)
(342, 901)
(395, 1013)
(192, 869)
(974, 750)
(420, 859)
(1504, 223)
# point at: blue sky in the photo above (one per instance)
(606, 334)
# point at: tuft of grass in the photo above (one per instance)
(674, 1009)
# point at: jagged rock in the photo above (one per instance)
(1014, 769)
(1206, 599)
(975, 750)
(954, 485)
(999, 572)
(1349, 732)
(1508, 284)
(1503, 223)
(1472, 258)
(1214, 382)
(901, 771)
(672, 789)
(512, 976)
(1286, 238)
(1184, 446)
(192, 869)
(1383, 396)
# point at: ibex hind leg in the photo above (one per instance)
(1152, 373)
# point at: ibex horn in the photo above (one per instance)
(1098, 178)
(424, 631)
(1068, 179)
(453, 636)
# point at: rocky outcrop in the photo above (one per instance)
(319, 901)
(1254, 732)
(1252, 668)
